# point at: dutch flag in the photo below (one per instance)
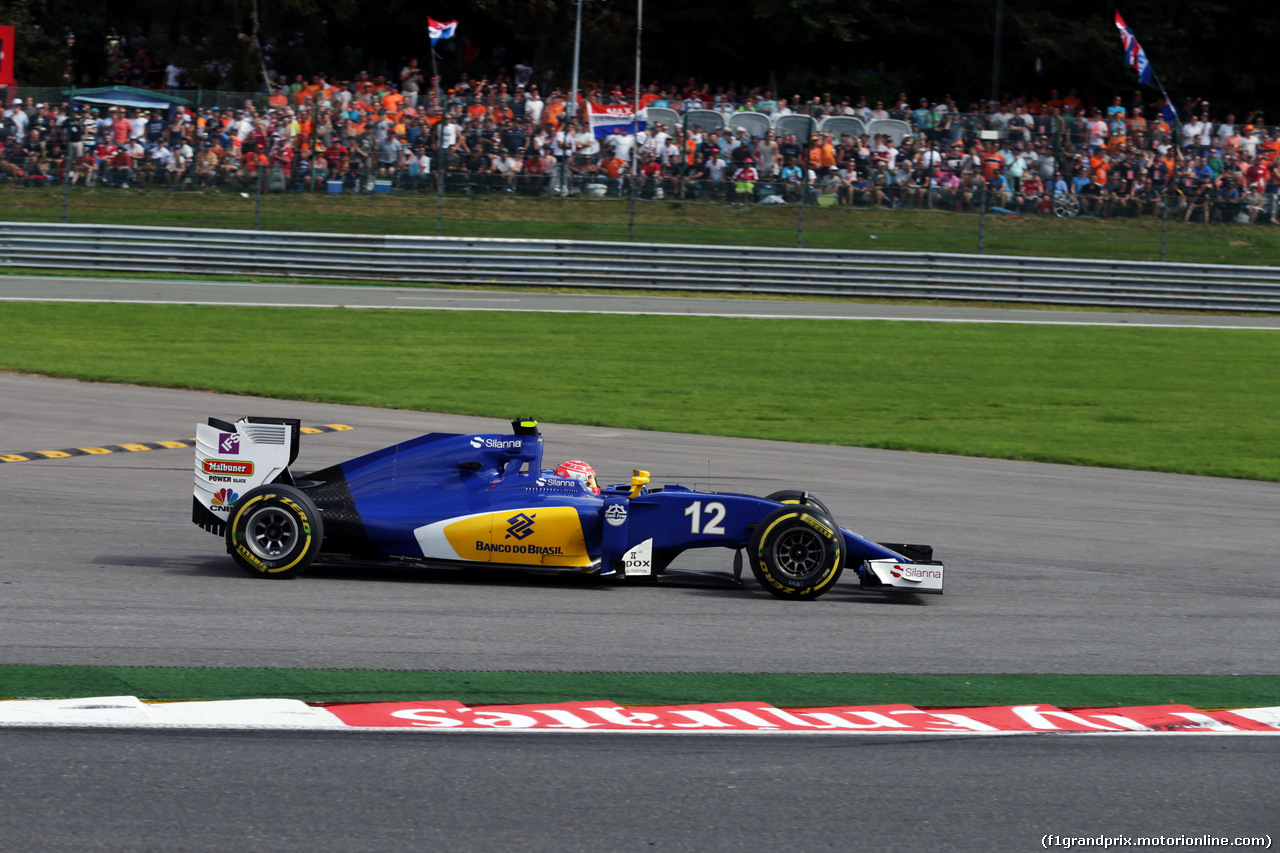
(438, 30)
(620, 119)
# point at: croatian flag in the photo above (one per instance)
(1134, 55)
(607, 120)
(439, 31)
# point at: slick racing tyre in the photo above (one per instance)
(795, 496)
(797, 552)
(274, 531)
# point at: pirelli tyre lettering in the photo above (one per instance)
(797, 552)
(274, 531)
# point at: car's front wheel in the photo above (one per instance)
(274, 531)
(797, 552)
(795, 496)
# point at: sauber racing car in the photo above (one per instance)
(485, 499)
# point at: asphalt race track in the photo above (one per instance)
(219, 792)
(1050, 569)
(81, 289)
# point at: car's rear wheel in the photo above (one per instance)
(796, 497)
(274, 531)
(797, 552)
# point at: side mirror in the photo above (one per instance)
(639, 479)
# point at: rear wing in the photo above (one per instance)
(231, 458)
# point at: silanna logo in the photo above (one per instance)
(230, 467)
(911, 573)
(520, 525)
(229, 443)
(479, 441)
(223, 499)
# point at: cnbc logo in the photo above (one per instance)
(223, 499)
(520, 525)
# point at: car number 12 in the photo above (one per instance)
(715, 515)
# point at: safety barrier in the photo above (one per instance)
(649, 266)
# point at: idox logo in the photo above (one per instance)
(520, 525)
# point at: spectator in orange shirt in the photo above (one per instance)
(991, 163)
(554, 110)
(613, 168)
(306, 127)
(1271, 147)
(826, 159)
(1136, 127)
(1160, 132)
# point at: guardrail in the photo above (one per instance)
(649, 266)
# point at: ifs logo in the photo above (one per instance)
(229, 443)
(223, 499)
(520, 525)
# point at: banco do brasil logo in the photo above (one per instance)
(520, 525)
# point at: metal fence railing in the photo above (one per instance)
(525, 262)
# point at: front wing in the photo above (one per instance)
(908, 576)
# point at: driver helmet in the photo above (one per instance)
(576, 469)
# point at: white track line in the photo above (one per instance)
(1127, 324)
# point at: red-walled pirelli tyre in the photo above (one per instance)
(795, 496)
(797, 552)
(274, 531)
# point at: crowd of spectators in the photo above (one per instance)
(505, 135)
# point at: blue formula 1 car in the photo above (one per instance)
(485, 500)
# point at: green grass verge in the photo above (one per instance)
(792, 691)
(485, 215)
(1182, 400)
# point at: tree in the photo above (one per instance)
(1206, 48)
